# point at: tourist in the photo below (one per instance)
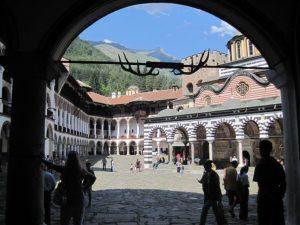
(49, 185)
(112, 165)
(178, 166)
(104, 161)
(270, 176)
(234, 158)
(72, 178)
(138, 165)
(243, 192)
(212, 194)
(131, 168)
(88, 189)
(230, 182)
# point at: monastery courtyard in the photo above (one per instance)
(154, 197)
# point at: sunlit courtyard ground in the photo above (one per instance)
(155, 197)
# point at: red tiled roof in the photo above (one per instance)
(152, 96)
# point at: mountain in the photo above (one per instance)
(159, 53)
(106, 79)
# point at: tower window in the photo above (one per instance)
(238, 50)
(251, 48)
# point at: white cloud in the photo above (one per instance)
(155, 9)
(107, 41)
(223, 29)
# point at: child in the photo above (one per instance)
(243, 192)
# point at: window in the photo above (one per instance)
(207, 100)
(190, 87)
(251, 48)
(238, 49)
(242, 88)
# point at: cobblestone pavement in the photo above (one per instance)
(155, 197)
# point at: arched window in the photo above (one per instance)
(251, 48)
(238, 49)
(190, 87)
(207, 100)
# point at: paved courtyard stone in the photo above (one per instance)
(158, 197)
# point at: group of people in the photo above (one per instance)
(179, 166)
(75, 191)
(270, 176)
(135, 167)
(112, 165)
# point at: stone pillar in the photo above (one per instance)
(118, 129)
(240, 150)
(210, 148)
(137, 129)
(102, 128)
(95, 127)
(26, 139)
(137, 149)
(158, 148)
(109, 128)
(128, 149)
(109, 149)
(128, 127)
(118, 149)
(158, 135)
(170, 156)
(192, 145)
(102, 148)
(1, 84)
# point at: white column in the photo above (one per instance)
(158, 147)
(240, 150)
(118, 149)
(137, 129)
(118, 129)
(102, 128)
(170, 151)
(192, 146)
(128, 132)
(128, 148)
(109, 128)
(109, 149)
(210, 148)
(137, 149)
(102, 148)
(95, 123)
(158, 133)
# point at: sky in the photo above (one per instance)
(180, 30)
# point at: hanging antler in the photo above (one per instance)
(201, 64)
(138, 72)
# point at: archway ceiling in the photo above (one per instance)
(39, 25)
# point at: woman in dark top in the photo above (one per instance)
(72, 175)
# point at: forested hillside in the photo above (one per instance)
(108, 78)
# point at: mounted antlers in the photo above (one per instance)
(177, 68)
(202, 63)
(138, 72)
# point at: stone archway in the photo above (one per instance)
(275, 133)
(224, 146)
(5, 135)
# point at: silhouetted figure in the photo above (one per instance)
(270, 176)
(104, 161)
(230, 179)
(49, 185)
(243, 192)
(212, 194)
(88, 189)
(138, 165)
(72, 177)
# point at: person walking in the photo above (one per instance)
(112, 165)
(270, 177)
(212, 195)
(131, 168)
(104, 161)
(138, 165)
(88, 189)
(49, 185)
(72, 178)
(243, 192)
(230, 185)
